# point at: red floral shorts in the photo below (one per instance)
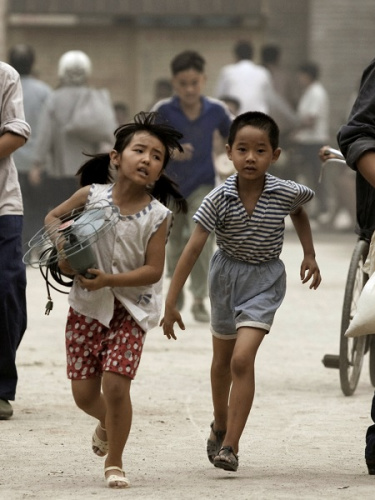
(92, 348)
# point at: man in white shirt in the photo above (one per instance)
(248, 82)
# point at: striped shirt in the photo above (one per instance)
(259, 237)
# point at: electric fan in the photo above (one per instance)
(70, 238)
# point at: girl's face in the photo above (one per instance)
(142, 160)
(252, 153)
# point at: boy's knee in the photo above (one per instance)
(241, 366)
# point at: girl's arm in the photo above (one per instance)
(77, 200)
(149, 273)
(54, 219)
(302, 226)
(184, 266)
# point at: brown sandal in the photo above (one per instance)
(213, 447)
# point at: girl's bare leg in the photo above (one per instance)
(88, 397)
(116, 391)
(243, 383)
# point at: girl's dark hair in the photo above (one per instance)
(96, 170)
(258, 120)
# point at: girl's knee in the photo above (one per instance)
(82, 399)
(116, 388)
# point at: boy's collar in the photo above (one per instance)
(230, 185)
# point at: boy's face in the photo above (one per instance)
(188, 85)
(252, 153)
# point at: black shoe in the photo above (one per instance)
(6, 410)
(371, 466)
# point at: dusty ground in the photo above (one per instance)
(304, 439)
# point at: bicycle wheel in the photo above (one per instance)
(352, 350)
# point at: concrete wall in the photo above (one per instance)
(342, 39)
(128, 59)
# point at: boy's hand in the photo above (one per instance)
(91, 284)
(310, 269)
(171, 316)
(186, 154)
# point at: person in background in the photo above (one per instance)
(35, 92)
(247, 277)
(121, 112)
(197, 117)
(311, 134)
(223, 165)
(271, 60)
(281, 107)
(163, 89)
(14, 132)
(245, 80)
(56, 139)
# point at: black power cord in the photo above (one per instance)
(53, 269)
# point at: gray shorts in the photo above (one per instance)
(244, 294)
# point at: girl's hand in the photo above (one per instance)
(310, 269)
(65, 268)
(171, 316)
(91, 284)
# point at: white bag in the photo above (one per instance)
(93, 119)
(363, 322)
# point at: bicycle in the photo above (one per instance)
(349, 361)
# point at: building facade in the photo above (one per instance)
(132, 42)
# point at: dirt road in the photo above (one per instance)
(304, 439)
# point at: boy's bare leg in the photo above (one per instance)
(116, 390)
(243, 383)
(221, 380)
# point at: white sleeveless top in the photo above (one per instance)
(120, 250)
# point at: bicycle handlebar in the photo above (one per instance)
(335, 152)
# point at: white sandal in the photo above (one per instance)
(115, 481)
(98, 443)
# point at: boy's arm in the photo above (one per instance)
(184, 266)
(302, 226)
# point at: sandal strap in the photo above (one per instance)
(218, 434)
(113, 467)
(228, 450)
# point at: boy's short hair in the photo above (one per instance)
(244, 50)
(270, 54)
(22, 57)
(258, 120)
(189, 59)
